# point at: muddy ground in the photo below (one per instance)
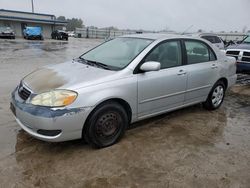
(186, 148)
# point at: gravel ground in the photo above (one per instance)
(191, 147)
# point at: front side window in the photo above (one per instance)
(117, 53)
(167, 53)
(197, 52)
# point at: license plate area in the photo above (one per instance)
(13, 109)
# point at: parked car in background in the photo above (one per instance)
(242, 54)
(122, 81)
(7, 32)
(214, 39)
(72, 34)
(59, 35)
(33, 33)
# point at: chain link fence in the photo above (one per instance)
(111, 33)
(101, 33)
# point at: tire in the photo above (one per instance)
(106, 125)
(215, 97)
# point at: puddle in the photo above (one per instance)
(184, 148)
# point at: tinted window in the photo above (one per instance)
(197, 52)
(212, 39)
(167, 53)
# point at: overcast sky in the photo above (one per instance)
(215, 15)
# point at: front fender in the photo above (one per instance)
(125, 89)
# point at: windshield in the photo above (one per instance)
(2, 29)
(247, 40)
(117, 53)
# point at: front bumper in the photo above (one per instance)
(243, 67)
(9, 35)
(67, 122)
(34, 37)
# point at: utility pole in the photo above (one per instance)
(32, 3)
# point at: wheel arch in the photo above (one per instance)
(224, 80)
(120, 101)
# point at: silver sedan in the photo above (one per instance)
(122, 81)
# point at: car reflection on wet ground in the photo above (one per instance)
(191, 147)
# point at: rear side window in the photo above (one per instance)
(212, 39)
(198, 52)
(167, 53)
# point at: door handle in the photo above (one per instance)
(214, 66)
(181, 72)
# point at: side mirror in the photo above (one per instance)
(150, 66)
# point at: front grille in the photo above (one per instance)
(247, 59)
(23, 92)
(246, 54)
(240, 56)
(236, 57)
(232, 52)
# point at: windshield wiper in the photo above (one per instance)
(96, 63)
(99, 64)
(85, 61)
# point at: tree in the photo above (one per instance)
(72, 23)
(61, 18)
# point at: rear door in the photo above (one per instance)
(202, 70)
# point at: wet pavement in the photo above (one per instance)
(191, 147)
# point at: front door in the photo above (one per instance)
(163, 90)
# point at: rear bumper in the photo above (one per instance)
(65, 124)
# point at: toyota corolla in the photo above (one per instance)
(122, 81)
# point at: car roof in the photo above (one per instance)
(159, 36)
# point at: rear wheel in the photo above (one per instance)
(106, 125)
(216, 96)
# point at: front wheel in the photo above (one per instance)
(106, 125)
(215, 97)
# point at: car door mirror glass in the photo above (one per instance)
(150, 66)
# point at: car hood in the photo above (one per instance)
(7, 32)
(243, 46)
(70, 75)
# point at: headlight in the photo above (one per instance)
(55, 98)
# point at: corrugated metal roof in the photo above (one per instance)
(15, 11)
(14, 18)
